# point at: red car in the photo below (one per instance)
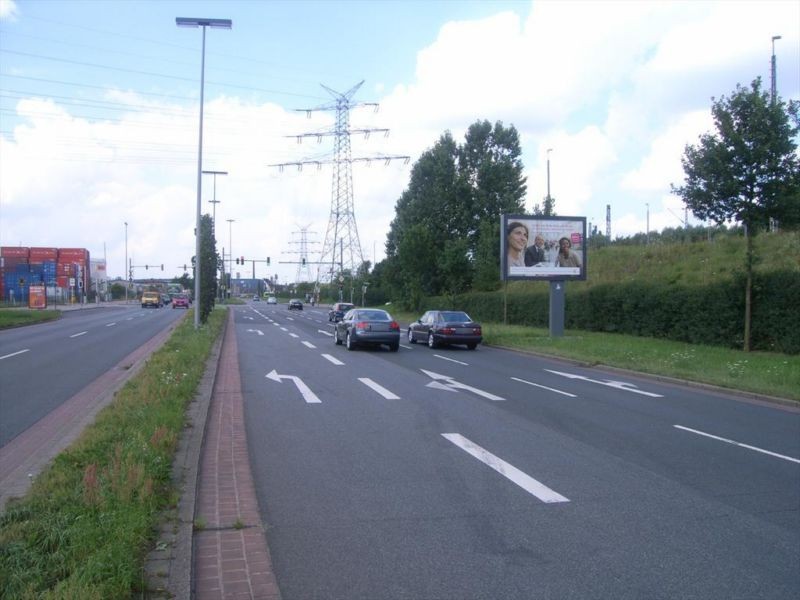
(180, 300)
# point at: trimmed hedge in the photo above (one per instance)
(712, 314)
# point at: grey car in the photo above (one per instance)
(444, 327)
(367, 327)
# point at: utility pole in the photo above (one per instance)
(773, 71)
(342, 229)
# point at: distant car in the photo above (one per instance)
(445, 327)
(180, 301)
(256, 298)
(151, 299)
(367, 326)
(165, 299)
(337, 311)
(295, 304)
(272, 300)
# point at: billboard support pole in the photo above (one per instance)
(505, 302)
(557, 289)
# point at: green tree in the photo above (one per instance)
(748, 170)
(208, 269)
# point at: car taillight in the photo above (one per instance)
(394, 325)
(361, 325)
(477, 331)
(447, 330)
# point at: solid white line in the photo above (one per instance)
(15, 353)
(544, 387)
(79, 334)
(727, 441)
(332, 359)
(523, 480)
(328, 333)
(110, 324)
(294, 335)
(309, 345)
(406, 347)
(378, 388)
(451, 359)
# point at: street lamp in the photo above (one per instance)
(230, 251)
(203, 23)
(125, 271)
(214, 200)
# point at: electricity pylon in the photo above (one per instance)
(304, 265)
(342, 232)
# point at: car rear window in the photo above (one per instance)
(373, 315)
(457, 317)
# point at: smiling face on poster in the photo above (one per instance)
(547, 248)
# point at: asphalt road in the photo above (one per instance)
(492, 474)
(41, 366)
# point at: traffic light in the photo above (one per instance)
(243, 260)
(268, 261)
(304, 261)
(146, 267)
(162, 267)
(237, 260)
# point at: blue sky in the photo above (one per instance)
(98, 110)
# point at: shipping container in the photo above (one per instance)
(40, 255)
(10, 263)
(14, 252)
(73, 255)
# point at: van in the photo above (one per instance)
(151, 299)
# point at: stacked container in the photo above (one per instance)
(74, 262)
(13, 260)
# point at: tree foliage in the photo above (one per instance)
(208, 269)
(747, 171)
(444, 230)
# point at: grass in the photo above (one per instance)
(14, 317)
(757, 372)
(88, 521)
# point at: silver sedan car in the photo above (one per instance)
(367, 327)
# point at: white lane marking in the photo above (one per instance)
(446, 380)
(79, 334)
(332, 359)
(258, 331)
(328, 333)
(276, 325)
(309, 345)
(110, 324)
(735, 443)
(406, 347)
(289, 319)
(378, 388)
(130, 319)
(294, 335)
(451, 359)
(620, 385)
(15, 353)
(544, 387)
(309, 396)
(523, 480)
(283, 328)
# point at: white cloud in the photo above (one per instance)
(8, 10)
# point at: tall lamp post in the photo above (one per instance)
(202, 23)
(230, 253)
(125, 272)
(214, 202)
(774, 83)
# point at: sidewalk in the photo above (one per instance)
(231, 558)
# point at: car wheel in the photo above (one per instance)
(336, 336)
(472, 346)
(431, 341)
(411, 339)
(394, 347)
(349, 342)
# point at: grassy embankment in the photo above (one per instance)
(689, 264)
(87, 523)
(15, 317)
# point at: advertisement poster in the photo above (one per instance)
(542, 248)
(37, 296)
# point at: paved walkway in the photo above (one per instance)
(231, 558)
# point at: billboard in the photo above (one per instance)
(542, 248)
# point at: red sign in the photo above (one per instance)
(37, 296)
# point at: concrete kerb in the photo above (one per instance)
(168, 567)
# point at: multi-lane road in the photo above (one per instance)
(492, 474)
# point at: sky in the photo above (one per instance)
(99, 112)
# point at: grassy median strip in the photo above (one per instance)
(763, 373)
(87, 523)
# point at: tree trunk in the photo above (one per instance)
(748, 288)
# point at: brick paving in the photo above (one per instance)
(231, 557)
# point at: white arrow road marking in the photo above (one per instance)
(258, 331)
(378, 388)
(620, 385)
(523, 480)
(332, 359)
(328, 333)
(309, 345)
(309, 396)
(451, 359)
(79, 334)
(544, 387)
(15, 353)
(727, 441)
(440, 386)
(452, 383)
